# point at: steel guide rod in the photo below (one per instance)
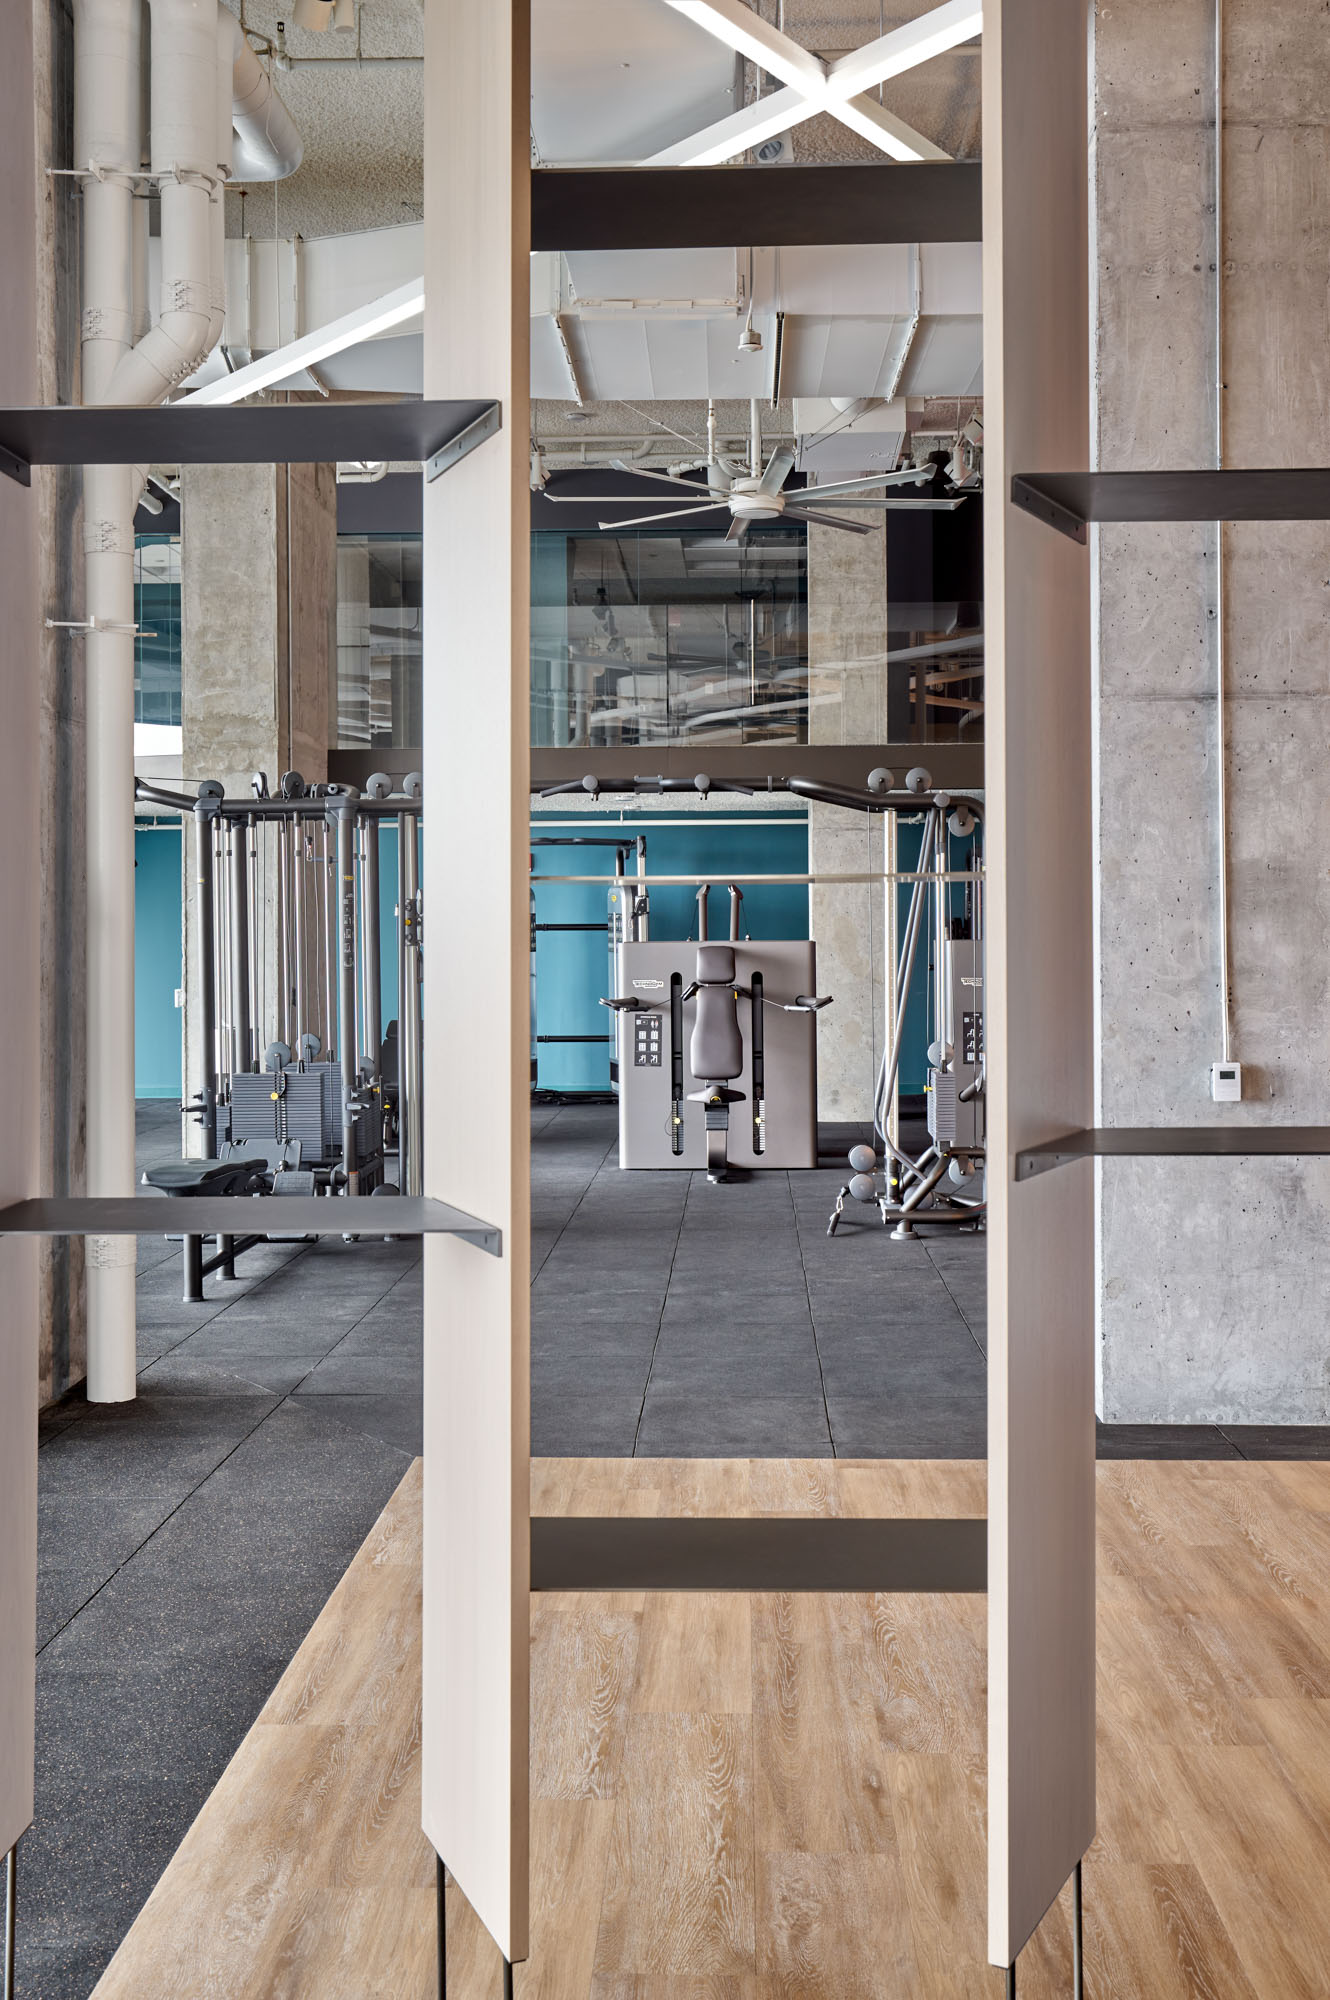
(204, 819)
(344, 912)
(873, 877)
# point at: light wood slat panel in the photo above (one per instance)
(476, 1054)
(20, 765)
(845, 1854)
(1040, 969)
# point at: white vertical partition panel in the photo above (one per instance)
(475, 942)
(1040, 1020)
(20, 817)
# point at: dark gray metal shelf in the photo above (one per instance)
(437, 433)
(1068, 501)
(235, 1215)
(1215, 1142)
(771, 1553)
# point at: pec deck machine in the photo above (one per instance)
(716, 1046)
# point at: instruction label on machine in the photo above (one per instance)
(647, 1042)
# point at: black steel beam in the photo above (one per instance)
(773, 1553)
(955, 766)
(692, 208)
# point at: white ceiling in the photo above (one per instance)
(620, 79)
(613, 80)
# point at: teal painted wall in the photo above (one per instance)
(157, 968)
(572, 967)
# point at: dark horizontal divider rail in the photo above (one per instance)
(696, 208)
(777, 1553)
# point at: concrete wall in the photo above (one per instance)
(1213, 1276)
(56, 789)
(258, 594)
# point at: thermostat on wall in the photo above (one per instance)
(1226, 1082)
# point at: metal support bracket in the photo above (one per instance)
(96, 624)
(448, 455)
(1043, 1160)
(14, 467)
(1044, 508)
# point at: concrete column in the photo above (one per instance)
(847, 641)
(1213, 1275)
(258, 648)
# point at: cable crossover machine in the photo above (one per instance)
(300, 1088)
(705, 1023)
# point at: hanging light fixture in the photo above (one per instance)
(315, 14)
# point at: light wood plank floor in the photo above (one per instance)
(781, 1798)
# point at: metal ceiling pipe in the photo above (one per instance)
(108, 148)
(185, 166)
(126, 359)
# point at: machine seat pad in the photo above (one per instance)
(186, 1177)
(716, 1051)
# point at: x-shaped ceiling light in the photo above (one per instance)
(811, 85)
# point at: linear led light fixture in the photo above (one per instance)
(380, 315)
(810, 85)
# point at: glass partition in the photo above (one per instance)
(653, 636)
(375, 694)
(157, 616)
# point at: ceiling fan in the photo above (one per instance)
(756, 495)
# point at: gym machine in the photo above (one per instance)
(662, 1067)
(300, 1090)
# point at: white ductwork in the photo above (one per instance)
(185, 54)
(267, 145)
(202, 75)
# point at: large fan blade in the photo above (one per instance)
(910, 477)
(674, 513)
(619, 499)
(828, 521)
(665, 478)
(779, 467)
(738, 528)
(925, 506)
